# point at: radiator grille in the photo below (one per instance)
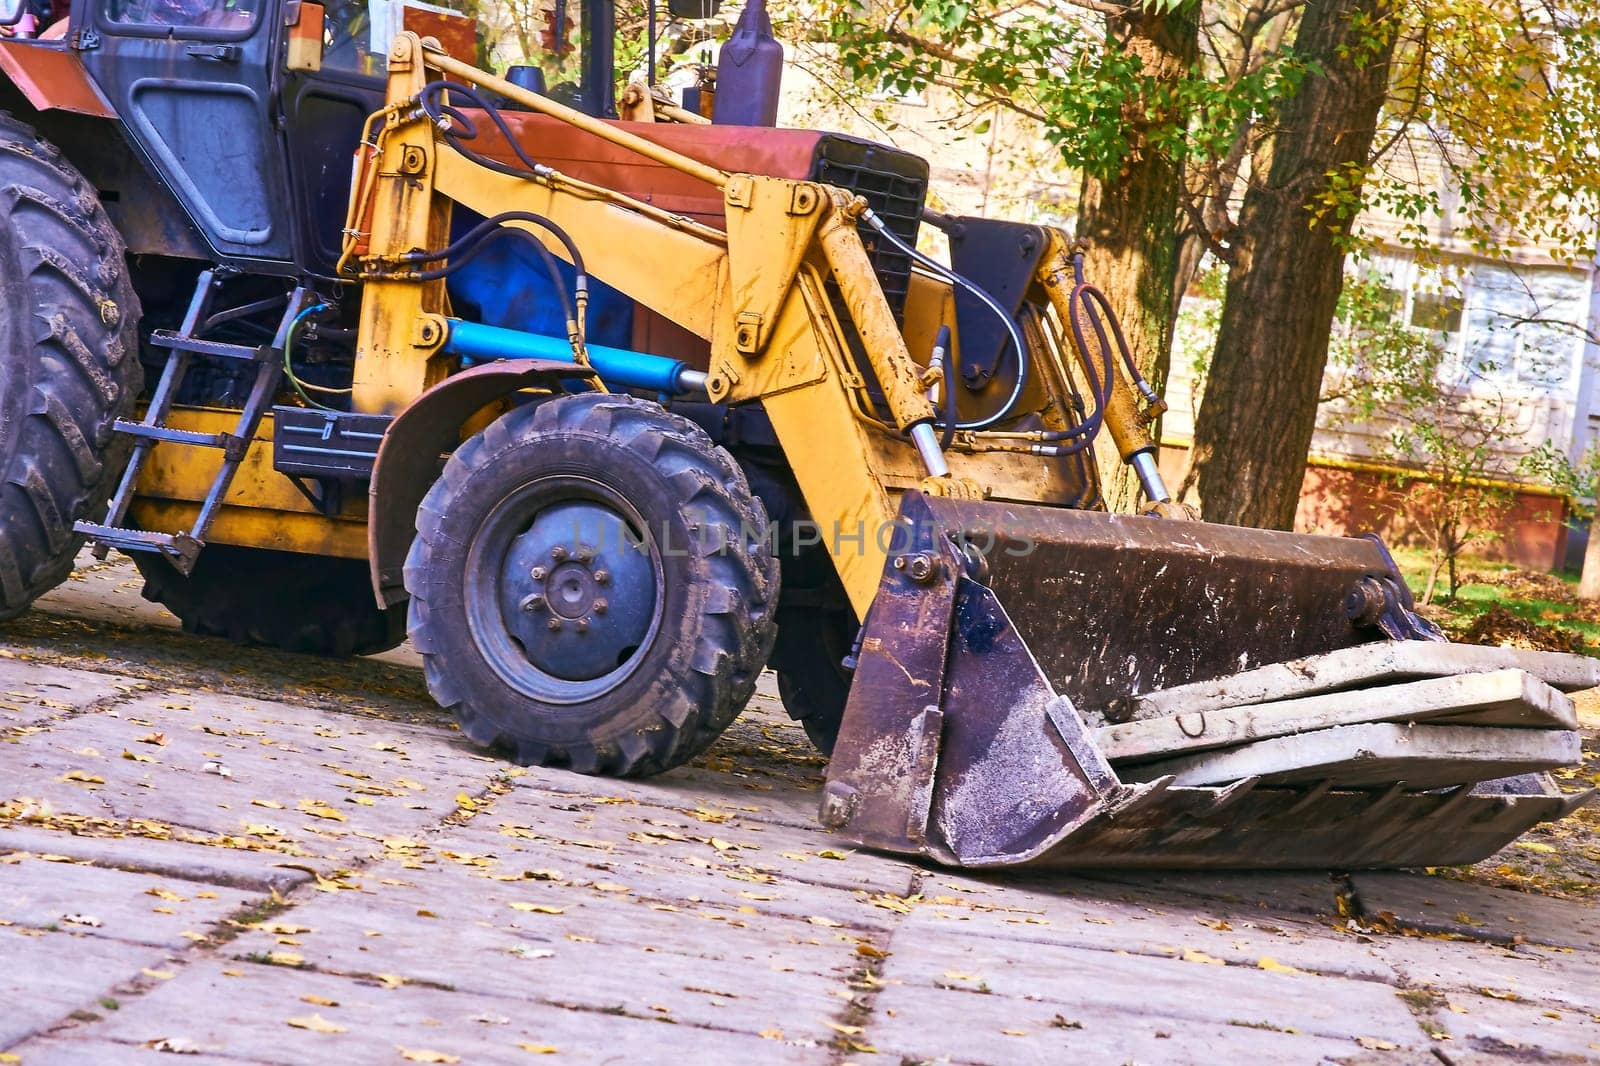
(894, 183)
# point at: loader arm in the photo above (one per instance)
(758, 292)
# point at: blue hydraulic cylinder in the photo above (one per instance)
(476, 342)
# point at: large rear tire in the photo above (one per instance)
(592, 587)
(69, 362)
(314, 605)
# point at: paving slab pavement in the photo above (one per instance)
(363, 884)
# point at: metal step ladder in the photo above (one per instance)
(183, 548)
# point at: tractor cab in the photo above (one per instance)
(248, 111)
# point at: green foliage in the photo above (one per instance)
(1455, 444)
(1502, 96)
(1578, 481)
(1065, 68)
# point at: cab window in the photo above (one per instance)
(229, 16)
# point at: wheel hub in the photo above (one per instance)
(578, 592)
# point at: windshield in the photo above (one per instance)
(233, 15)
(548, 35)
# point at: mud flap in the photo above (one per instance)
(965, 741)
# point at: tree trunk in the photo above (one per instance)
(1589, 582)
(1130, 221)
(1260, 405)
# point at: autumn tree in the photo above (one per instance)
(1456, 444)
(1276, 130)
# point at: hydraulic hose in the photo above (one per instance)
(300, 387)
(871, 219)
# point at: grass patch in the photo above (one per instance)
(1545, 599)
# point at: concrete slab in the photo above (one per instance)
(1521, 1031)
(389, 924)
(1496, 698)
(919, 1024)
(131, 907)
(48, 975)
(1468, 969)
(71, 1050)
(248, 1017)
(1423, 756)
(302, 783)
(684, 825)
(519, 955)
(251, 870)
(1194, 988)
(32, 692)
(1271, 893)
(1173, 930)
(1366, 664)
(1440, 904)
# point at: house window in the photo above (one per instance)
(1436, 311)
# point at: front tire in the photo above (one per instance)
(68, 362)
(592, 586)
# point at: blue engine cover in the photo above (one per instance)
(507, 285)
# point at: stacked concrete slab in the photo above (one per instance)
(1429, 715)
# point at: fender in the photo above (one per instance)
(408, 459)
(52, 79)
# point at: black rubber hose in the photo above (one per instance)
(984, 298)
(947, 362)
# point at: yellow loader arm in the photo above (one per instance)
(759, 293)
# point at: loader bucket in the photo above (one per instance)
(1010, 647)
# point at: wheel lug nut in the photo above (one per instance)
(538, 573)
(532, 603)
(584, 553)
(553, 625)
(582, 624)
(600, 606)
(558, 553)
(602, 576)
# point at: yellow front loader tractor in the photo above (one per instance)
(343, 339)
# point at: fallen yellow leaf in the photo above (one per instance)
(1193, 955)
(318, 809)
(83, 777)
(537, 908)
(285, 958)
(1272, 965)
(165, 893)
(537, 1049)
(317, 1024)
(424, 1055)
(847, 1030)
(321, 1001)
(1372, 1043)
